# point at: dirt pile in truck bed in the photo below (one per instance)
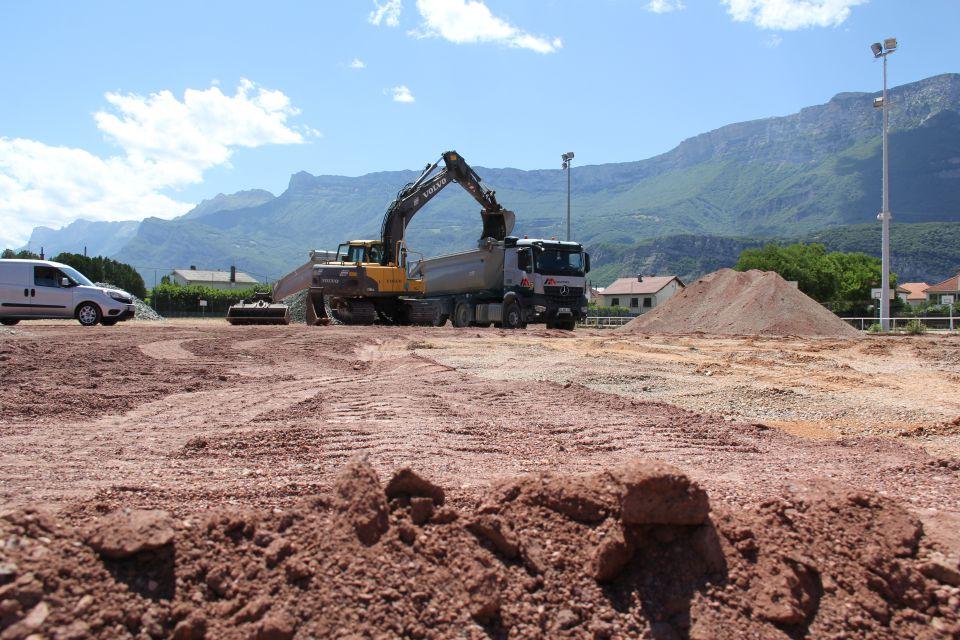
(728, 302)
(633, 551)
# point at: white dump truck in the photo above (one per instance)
(511, 283)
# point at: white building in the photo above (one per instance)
(232, 279)
(641, 293)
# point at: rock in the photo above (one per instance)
(611, 555)
(126, 533)
(361, 498)
(658, 493)
(484, 597)
(8, 571)
(193, 627)
(253, 610)
(588, 498)
(787, 594)
(942, 569)
(534, 557)
(277, 625)
(30, 623)
(444, 516)
(567, 619)
(492, 529)
(26, 590)
(406, 482)
(276, 551)
(421, 509)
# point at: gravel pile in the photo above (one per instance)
(298, 306)
(144, 311)
(728, 302)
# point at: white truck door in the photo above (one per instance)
(49, 298)
(14, 289)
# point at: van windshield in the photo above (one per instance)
(76, 276)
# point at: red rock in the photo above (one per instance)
(406, 482)
(122, 534)
(658, 493)
(361, 498)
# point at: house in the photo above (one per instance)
(946, 292)
(913, 293)
(232, 279)
(639, 294)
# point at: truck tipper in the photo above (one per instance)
(511, 283)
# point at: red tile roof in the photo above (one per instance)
(914, 290)
(950, 285)
(632, 286)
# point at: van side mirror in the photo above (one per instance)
(64, 282)
(586, 262)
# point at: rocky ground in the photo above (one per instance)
(197, 480)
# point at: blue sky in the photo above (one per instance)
(506, 82)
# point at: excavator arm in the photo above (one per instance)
(416, 194)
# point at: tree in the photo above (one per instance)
(100, 269)
(835, 277)
(23, 254)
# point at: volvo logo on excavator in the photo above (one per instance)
(432, 189)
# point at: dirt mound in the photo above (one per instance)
(728, 302)
(633, 551)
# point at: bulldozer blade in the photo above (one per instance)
(316, 308)
(259, 309)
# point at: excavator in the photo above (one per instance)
(369, 280)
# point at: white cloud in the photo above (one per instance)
(166, 143)
(357, 63)
(471, 21)
(402, 94)
(665, 6)
(791, 14)
(387, 13)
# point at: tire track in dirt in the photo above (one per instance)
(167, 350)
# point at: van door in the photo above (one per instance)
(51, 299)
(15, 297)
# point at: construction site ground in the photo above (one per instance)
(194, 416)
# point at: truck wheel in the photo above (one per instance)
(513, 316)
(462, 315)
(9, 322)
(88, 314)
(566, 325)
(439, 317)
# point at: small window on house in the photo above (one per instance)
(647, 303)
(615, 302)
(634, 302)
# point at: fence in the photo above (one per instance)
(934, 323)
(602, 322)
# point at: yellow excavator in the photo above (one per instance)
(368, 280)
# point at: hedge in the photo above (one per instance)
(173, 297)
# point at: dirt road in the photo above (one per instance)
(187, 417)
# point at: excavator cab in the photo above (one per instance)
(363, 251)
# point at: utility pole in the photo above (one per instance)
(882, 51)
(567, 166)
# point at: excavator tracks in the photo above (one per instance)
(355, 312)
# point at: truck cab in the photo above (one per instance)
(548, 279)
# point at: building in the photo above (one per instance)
(231, 279)
(913, 293)
(946, 292)
(639, 294)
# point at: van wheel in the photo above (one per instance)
(9, 322)
(88, 314)
(513, 316)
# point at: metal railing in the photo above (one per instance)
(605, 321)
(932, 323)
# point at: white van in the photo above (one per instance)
(41, 289)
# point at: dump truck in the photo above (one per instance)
(509, 283)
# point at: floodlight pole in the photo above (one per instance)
(568, 166)
(882, 51)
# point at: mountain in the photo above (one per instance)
(783, 177)
(224, 202)
(97, 238)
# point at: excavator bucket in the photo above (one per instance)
(259, 309)
(316, 308)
